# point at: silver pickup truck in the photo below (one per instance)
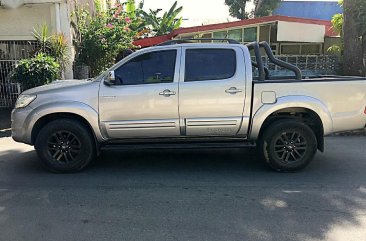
(189, 95)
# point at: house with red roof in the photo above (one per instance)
(286, 35)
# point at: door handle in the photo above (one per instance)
(233, 90)
(167, 93)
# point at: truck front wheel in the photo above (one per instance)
(65, 146)
(288, 145)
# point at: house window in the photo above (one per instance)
(311, 49)
(205, 35)
(236, 34)
(187, 37)
(250, 34)
(274, 48)
(290, 49)
(264, 33)
(221, 34)
(300, 49)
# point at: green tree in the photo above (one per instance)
(337, 23)
(165, 24)
(354, 32)
(265, 7)
(237, 8)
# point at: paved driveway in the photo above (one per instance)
(185, 195)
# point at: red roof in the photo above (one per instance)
(329, 31)
(249, 22)
(155, 40)
(146, 42)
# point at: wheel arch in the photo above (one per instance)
(69, 110)
(306, 109)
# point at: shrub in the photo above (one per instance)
(54, 45)
(99, 37)
(37, 71)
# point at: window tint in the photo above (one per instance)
(209, 64)
(149, 68)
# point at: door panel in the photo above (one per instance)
(211, 106)
(144, 110)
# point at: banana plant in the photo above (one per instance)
(131, 8)
(135, 14)
(165, 24)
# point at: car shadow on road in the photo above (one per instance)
(5, 132)
(181, 160)
(5, 123)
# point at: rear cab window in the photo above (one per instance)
(209, 64)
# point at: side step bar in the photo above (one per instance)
(185, 145)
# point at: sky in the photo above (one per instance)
(197, 12)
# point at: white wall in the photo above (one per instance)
(18, 24)
(300, 32)
(60, 13)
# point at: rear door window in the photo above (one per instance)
(209, 64)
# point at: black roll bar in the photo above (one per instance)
(266, 70)
(258, 57)
(256, 47)
(281, 63)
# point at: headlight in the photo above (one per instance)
(24, 101)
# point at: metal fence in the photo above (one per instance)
(310, 65)
(10, 53)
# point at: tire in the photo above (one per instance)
(288, 145)
(65, 146)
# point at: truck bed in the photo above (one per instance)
(342, 99)
(281, 79)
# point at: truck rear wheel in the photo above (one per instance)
(288, 145)
(65, 146)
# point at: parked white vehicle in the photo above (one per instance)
(189, 95)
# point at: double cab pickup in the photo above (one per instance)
(183, 94)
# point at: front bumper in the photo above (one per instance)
(20, 130)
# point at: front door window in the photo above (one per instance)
(149, 68)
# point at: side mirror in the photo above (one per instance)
(111, 78)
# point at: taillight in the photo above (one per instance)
(364, 111)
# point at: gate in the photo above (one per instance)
(10, 53)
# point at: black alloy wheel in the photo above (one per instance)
(287, 145)
(65, 146)
(290, 146)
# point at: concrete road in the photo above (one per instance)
(185, 195)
